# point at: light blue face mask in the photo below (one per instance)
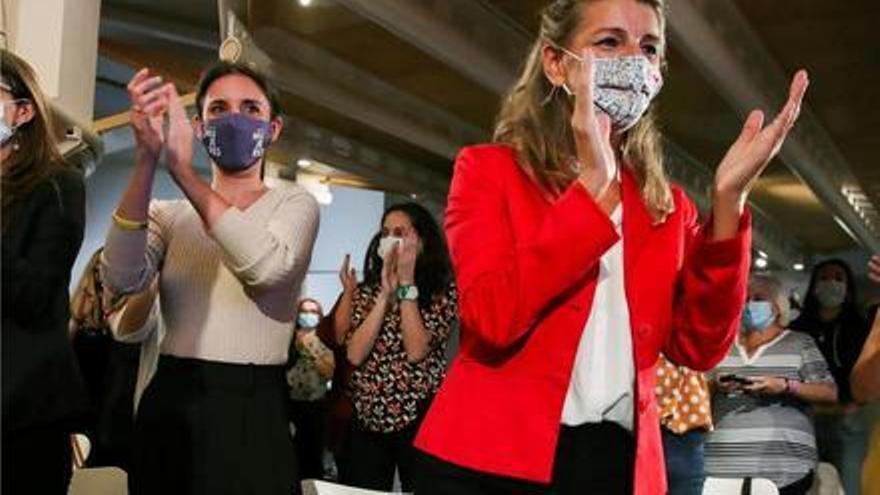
(308, 320)
(757, 316)
(6, 130)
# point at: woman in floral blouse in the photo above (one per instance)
(401, 318)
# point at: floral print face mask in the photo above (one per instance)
(623, 88)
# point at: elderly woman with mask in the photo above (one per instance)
(763, 392)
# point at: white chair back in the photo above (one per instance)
(99, 481)
(826, 481)
(318, 487)
(734, 486)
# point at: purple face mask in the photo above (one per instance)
(236, 141)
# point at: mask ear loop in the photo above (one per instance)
(551, 95)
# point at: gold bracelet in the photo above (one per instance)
(126, 224)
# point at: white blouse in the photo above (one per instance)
(602, 379)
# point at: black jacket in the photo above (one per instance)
(840, 341)
(41, 382)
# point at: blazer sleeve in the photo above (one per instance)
(56, 235)
(711, 292)
(506, 283)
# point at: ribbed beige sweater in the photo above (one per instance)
(227, 295)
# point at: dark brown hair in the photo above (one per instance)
(35, 148)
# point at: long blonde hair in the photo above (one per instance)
(535, 118)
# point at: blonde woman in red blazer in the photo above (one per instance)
(529, 220)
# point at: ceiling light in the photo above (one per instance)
(303, 163)
(762, 254)
(761, 263)
(305, 3)
(798, 267)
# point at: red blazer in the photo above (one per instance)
(526, 267)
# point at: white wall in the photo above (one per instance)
(347, 225)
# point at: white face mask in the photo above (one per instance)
(830, 293)
(623, 88)
(6, 130)
(387, 243)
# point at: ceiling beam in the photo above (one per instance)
(291, 50)
(463, 34)
(303, 82)
(721, 43)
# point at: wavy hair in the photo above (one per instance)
(535, 118)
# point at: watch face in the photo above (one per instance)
(408, 292)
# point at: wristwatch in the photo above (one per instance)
(407, 293)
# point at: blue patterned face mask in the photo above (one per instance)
(757, 316)
(235, 141)
(623, 88)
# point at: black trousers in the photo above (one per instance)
(594, 458)
(214, 428)
(309, 419)
(37, 460)
(373, 458)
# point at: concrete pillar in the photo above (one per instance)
(59, 38)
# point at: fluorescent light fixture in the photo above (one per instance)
(845, 228)
(762, 254)
(305, 3)
(798, 267)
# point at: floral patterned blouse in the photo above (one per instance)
(386, 389)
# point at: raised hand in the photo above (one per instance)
(180, 135)
(149, 103)
(406, 261)
(348, 276)
(390, 279)
(758, 145)
(592, 133)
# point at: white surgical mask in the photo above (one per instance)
(387, 243)
(623, 88)
(830, 293)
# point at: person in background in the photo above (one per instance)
(109, 369)
(231, 259)
(311, 368)
(332, 332)
(831, 315)
(763, 392)
(578, 263)
(685, 418)
(401, 318)
(43, 204)
(136, 321)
